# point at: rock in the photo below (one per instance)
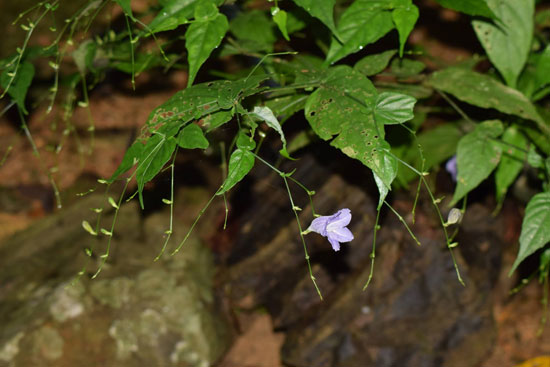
(137, 312)
(414, 313)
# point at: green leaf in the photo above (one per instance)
(265, 114)
(240, 163)
(382, 190)
(389, 167)
(508, 41)
(393, 108)
(131, 157)
(511, 163)
(156, 152)
(405, 68)
(414, 90)
(286, 106)
(201, 100)
(232, 91)
(254, 26)
(374, 64)
(477, 156)
(175, 13)
(191, 137)
(471, 7)
(364, 22)
(343, 106)
(404, 19)
(534, 159)
(322, 10)
(296, 20)
(535, 229)
(216, 119)
(279, 17)
(542, 68)
(483, 91)
(245, 141)
(203, 36)
(20, 84)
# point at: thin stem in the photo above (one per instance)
(265, 57)
(37, 154)
(131, 51)
(312, 277)
(455, 106)
(105, 256)
(91, 128)
(402, 220)
(284, 177)
(170, 230)
(195, 223)
(417, 196)
(434, 202)
(19, 56)
(373, 253)
(6, 154)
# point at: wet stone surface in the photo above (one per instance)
(136, 313)
(414, 313)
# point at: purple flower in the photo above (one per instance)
(450, 166)
(333, 227)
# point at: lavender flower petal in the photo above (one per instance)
(335, 244)
(340, 219)
(451, 167)
(341, 235)
(319, 225)
(333, 227)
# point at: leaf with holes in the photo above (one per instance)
(232, 91)
(343, 106)
(535, 229)
(240, 163)
(393, 108)
(478, 154)
(364, 22)
(192, 137)
(322, 10)
(201, 100)
(507, 41)
(511, 163)
(203, 36)
(156, 152)
(216, 119)
(483, 91)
